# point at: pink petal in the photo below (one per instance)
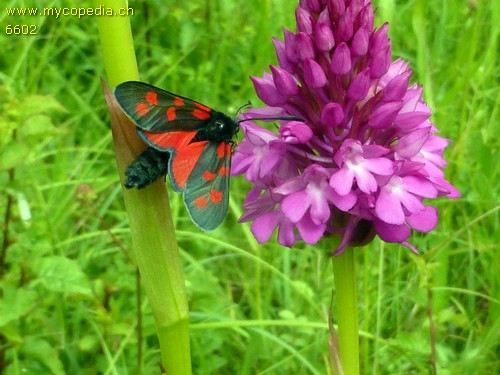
(240, 163)
(304, 20)
(284, 82)
(313, 74)
(410, 144)
(264, 226)
(332, 114)
(384, 115)
(320, 211)
(381, 166)
(425, 220)
(419, 186)
(342, 180)
(343, 202)
(365, 180)
(286, 235)
(323, 37)
(360, 42)
(267, 92)
(310, 232)
(283, 60)
(341, 60)
(397, 87)
(411, 202)
(388, 208)
(295, 205)
(391, 233)
(409, 120)
(304, 46)
(359, 85)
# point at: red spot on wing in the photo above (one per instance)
(223, 149)
(201, 114)
(216, 196)
(171, 115)
(172, 140)
(200, 202)
(185, 155)
(184, 162)
(178, 102)
(209, 176)
(203, 107)
(141, 109)
(152, 97)
(223, 171)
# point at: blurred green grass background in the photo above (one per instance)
(69, 301)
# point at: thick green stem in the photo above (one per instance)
(346, 311)
(151, 226)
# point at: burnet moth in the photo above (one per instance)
(187, 140)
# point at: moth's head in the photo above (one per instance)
(221, 127)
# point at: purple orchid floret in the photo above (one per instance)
(366, 154)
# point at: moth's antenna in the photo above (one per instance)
(285, 118)
(248, 105)
(271, 118)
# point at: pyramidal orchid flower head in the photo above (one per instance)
(366, 155)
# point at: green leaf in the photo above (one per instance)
(287, 315)
(37, 126)
(304, 288)
(13, 154)
(15, 303)
(11, 333)
(61, 274)
(7, 128)
(36, 104)
(45, 353)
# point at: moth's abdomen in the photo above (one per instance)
(146, 168)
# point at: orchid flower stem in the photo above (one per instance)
(151, 227)
(346, 311)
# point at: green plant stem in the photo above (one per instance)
(155, 247)
(346, 311)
